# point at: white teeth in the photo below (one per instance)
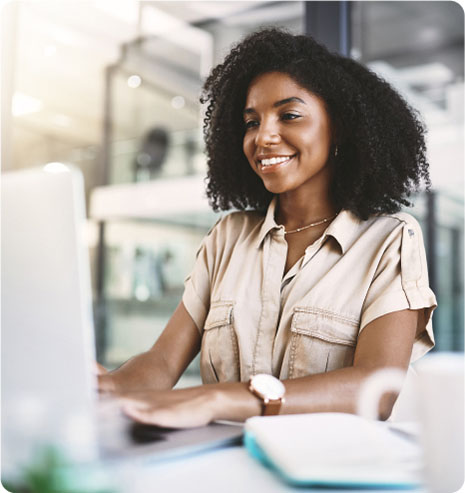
(274, 160)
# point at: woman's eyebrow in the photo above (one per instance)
(293, 99)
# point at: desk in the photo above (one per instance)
(227, 470)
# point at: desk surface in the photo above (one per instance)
(227, 470)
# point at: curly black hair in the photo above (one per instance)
(381, 148)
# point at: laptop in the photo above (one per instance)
(47, 342)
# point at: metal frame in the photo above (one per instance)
(329, 23)
(457, 289)
(100, 308)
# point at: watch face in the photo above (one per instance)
(268, 386)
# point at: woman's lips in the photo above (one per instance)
(271, 168)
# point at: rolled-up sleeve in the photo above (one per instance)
(401, 282)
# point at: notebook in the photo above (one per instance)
(48, 382)
(335, 450)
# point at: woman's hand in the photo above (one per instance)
(183, 408)
(105, 380)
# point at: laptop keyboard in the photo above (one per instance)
(143, 433)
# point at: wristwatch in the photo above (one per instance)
(271, 392)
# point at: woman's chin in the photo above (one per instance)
(275, 188)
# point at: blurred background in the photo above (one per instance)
(113, 88)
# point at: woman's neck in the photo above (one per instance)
(294, 211)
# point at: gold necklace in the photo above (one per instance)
(309, 225)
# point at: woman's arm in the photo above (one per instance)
(161, 366)
(385, 342)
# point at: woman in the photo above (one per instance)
(320, 281)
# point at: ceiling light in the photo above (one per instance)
(134, 81)
(142, 292)
(56, 168)
(178, 102)
(23, 104)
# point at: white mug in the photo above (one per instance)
(438, 398)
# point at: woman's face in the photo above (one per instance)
(288, 134)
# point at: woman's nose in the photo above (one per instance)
(267, 135)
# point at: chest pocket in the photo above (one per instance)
(320, 341)
(219, 357)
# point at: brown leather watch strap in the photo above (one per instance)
(272, 407)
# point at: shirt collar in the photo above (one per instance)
(269, 222)
(344, 228)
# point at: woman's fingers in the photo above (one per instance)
(99, 369)
(137, 400)
(140, 415)
(105, 380)
(173, 409)
(149, 413)
(167, 417)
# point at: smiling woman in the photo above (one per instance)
(318, 280)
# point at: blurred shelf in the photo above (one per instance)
(173, 201)
(164, 305)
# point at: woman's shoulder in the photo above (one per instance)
(238, 221)
(376, 232)
(385, 229)
(398, 220)
(379, 221)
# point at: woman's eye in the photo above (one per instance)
(290, 116)
(250, 124)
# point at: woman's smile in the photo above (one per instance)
(274, 163)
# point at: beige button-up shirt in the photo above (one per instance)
(253, 318)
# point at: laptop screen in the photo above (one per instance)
(47, 328)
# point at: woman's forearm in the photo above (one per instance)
(335, 391)
(148, 370)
